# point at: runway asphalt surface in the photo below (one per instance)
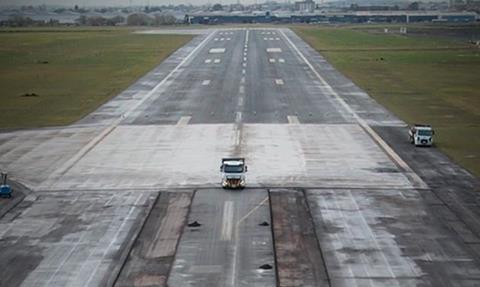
(336, 195)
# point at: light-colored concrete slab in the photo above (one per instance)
(166, 156)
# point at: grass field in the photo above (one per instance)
(422, 79)
(71, 72)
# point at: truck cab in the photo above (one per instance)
(233, 172)
(421, 135)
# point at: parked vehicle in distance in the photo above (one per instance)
(5, 189)
(421, 135)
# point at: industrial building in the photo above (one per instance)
(347, 17)
(305, 6)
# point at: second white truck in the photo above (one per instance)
(421, 135)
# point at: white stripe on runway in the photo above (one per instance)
(293, 120)
(227, 223)
(206, 83)
(183, 121)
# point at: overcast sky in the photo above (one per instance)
(121, 2)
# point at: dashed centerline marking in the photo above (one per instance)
(206, 83)
(281, 60)
(271, 60)
(274, 50)
(238, 117)
(293, 120)
(227, 224)
(217, 51)
(183, 121)
(216, 61)
(208, 61)
(279, 82)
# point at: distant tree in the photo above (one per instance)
(115, 20)
(82, 20)
(59, 10)
(138, 19)
(414, 6)
(217, 7)
(164, 19)
(96, 21)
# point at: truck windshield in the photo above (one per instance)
(233, 168)
(424, 133)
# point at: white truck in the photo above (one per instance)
(233, 171)
(421, 135)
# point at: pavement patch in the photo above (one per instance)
(152, 255)
(299, 258)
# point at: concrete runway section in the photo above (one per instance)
(230, 246)
(343, 198)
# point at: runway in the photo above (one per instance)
(336, 196)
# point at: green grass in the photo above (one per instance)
(85, 68)
(421, 79)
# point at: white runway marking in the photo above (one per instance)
(238, 117)
(244, 58)
(221, 39)
(206, 83)
(271, 39)
(242, 80)
(216, 39)
(227, 224)
(293, 120)
(279, 82)
(243, 71)
(244, 64)
(216, 61)
(274, 50)
(241, 90)
(278, 39)
(208, 61)
(281, 60)
(272, 60)
(183, 121)
(228, 39)
(217, 51)
(265, 39)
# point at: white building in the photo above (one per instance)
(305, 6)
